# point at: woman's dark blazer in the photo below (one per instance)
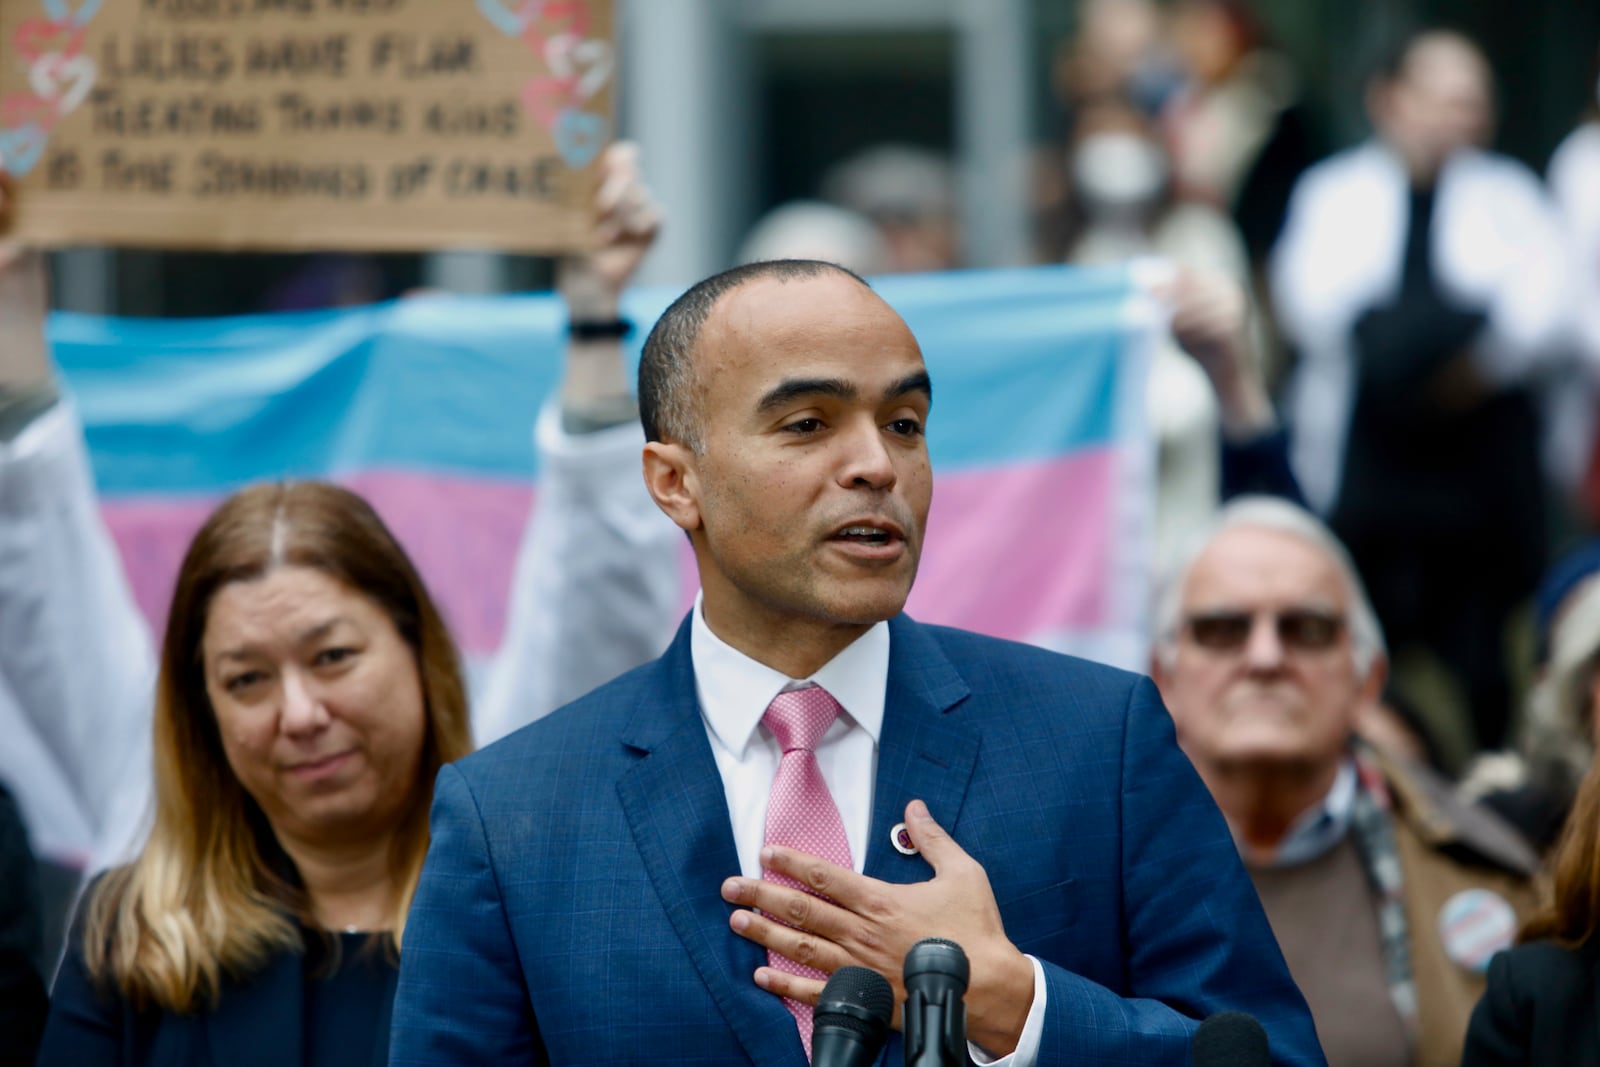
(256, 1023)
(1542, 1006)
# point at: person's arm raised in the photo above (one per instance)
(27, 380)
(1211, 322)
(74, 650)
(597, 584)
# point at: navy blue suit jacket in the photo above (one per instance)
(570, 909)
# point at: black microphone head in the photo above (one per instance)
(859, 998)
(1231, 1039)
(936, 955)
(851, 1021)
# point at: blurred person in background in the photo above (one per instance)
(1575, 183)
(1120, 51)
(909, 195)
(812, 229)
(1540, 1006)
(1386, 893)
(595, 589)
(1126, 205)
(1532, 786)
(1236, 133)
(22, 996)
(1422, 282)
(1118, 54)
(1122, 192)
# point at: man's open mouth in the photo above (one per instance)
(867, 535)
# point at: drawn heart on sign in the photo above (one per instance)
(68, 80)
(579, 137)
(21, 148)
(61, 11)
(544, 97)
(587, 61)
(41, 37)
(556, 18)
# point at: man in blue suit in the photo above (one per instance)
(600, 885)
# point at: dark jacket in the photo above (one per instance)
(257, 1022)
(1541, 1007)
(1447, 846)
(22, 999)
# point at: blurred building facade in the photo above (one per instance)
(743, 104)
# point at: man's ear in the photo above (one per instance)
(1377, 677)
(673, 479)
(1160, 675)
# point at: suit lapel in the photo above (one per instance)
(257, 1023)
(923, 753)
(678, 814)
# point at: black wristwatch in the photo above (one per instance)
(600, 329)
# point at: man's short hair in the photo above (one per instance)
(666, 369)
(1268, 513)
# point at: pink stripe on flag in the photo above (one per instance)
(1014, 552)
(1019, 551)
(461, 533)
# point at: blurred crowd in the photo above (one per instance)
(1421, 310)
(1377, 613)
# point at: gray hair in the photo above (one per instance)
(666, 369)
(1268, 513)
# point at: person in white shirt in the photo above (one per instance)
(1422, 282)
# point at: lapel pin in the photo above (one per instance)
(1474, 925)
(900, 838)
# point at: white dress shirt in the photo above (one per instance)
(1317, 829)
(734, 692)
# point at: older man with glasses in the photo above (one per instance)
(1387, 894)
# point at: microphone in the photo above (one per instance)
(1231, 1039)
(935, 1013)
(851, 1021)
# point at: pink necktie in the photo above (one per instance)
(800, 813)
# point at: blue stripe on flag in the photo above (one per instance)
(1024, 362)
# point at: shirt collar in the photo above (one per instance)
(1319, 827)
(735, 690)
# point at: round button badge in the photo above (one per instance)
(1474, 925)
(900, 838)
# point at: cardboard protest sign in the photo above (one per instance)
(305, 124)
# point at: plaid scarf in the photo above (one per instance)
(1372, 827)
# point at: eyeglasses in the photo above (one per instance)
(1299, 629)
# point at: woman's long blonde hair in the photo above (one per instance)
(213, 895)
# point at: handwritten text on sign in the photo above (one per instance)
(358, 124)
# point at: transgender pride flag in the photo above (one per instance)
(1043, 498)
